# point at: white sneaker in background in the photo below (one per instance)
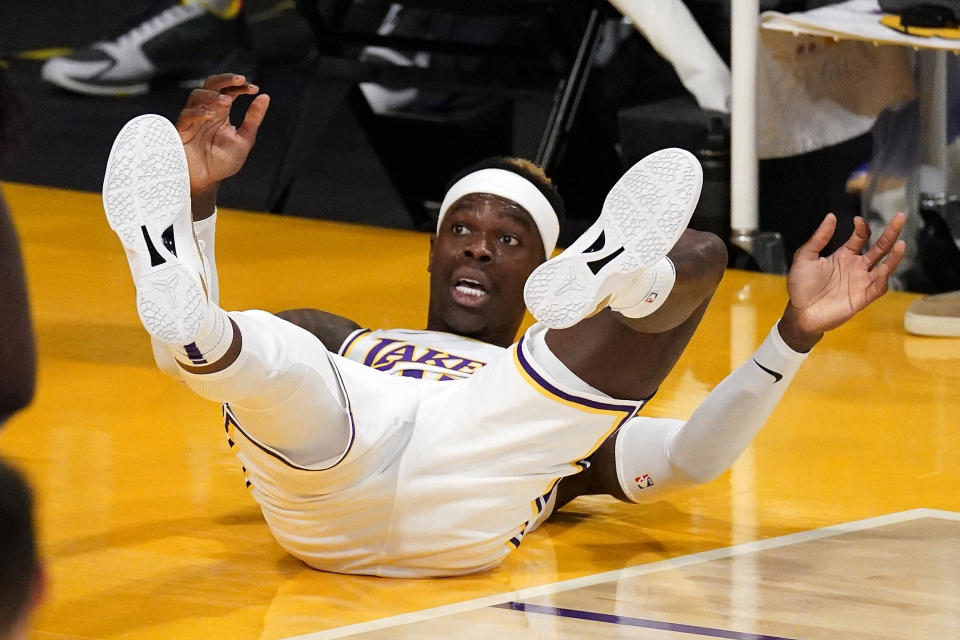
(180, 45)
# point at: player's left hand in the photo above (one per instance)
(827, 291)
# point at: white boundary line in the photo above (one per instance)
(629, 572)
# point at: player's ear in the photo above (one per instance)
(433, 239)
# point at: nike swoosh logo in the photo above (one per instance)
(776, 376)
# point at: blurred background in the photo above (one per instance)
(376, 106)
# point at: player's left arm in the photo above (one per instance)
(600, 478)
(650, 455)
(825, 292)
(332, 330)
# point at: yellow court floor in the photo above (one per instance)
(841, 520)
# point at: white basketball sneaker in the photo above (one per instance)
(178, 46)
(146, 196)
(642, 218)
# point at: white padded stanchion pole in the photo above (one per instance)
(744, 22)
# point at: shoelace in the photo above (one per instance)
(169, 17)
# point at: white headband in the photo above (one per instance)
(511, 186)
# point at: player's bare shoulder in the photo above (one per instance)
(332, 330)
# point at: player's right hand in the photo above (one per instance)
(215, 148)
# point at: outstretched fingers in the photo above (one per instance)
(892, 260)
(221, 81)
(886, 243)
(810, 250)
(253, 118)
(882, 272)
(228, 86)
(214, 101)
(233, 92)
(202, 105)
(190, 116)
(221, 97)
(860, 236)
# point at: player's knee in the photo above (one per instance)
(706, 256)
(714, 253)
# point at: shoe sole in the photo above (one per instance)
(644, 214)
(934, 326)
(146, 197)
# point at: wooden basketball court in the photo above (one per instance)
(841, 521)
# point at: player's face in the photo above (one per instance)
(479, 261)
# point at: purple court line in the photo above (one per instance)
(633, 622)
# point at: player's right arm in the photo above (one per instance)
(215, 148)
(650, 455)
(332, 330)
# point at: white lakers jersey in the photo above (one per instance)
(425, 355)
(436, 478)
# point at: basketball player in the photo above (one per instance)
(21, 575)
(17, 356)
(415, 474)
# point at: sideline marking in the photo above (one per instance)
(630, 572)
(627, 621)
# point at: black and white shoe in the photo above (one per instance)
(642, 218)
(179, 46)
(146, 196)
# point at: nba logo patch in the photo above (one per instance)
(643, 481)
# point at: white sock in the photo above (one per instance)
(212, 341)
(647, 292)
(206, 232)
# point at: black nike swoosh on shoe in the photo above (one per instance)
(777, 377)
(596, 265)
(155, 258)
(598, 243)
